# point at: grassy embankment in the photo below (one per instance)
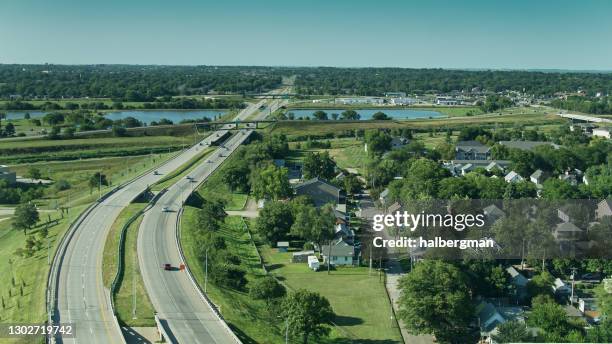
(131, 280)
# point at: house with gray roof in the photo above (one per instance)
(513, 177)
(321, 192)
(472, 150)
(538, 177)
(339, 253)
(567, 231)
(604, 208)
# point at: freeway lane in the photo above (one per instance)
(78, 295)
(174, 295)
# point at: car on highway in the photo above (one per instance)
(156, 173)
(167, 266)
(209, 161)
(165, 209)
(189, 178)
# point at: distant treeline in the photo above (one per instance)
(131, 83)
(160, 103)
(377, 81)
(585, 104)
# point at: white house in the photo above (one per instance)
(339, 253)
(513, 177)
(560, 288)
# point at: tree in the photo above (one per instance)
(266, 288)
(210, 216)
(435, 299)
(350, 115)
(320, 115)
(270, 182)
(9, 129)
(540, 284)
(306, 313)
(351, 183)
(119, 131)
(274, 221)
(236, 177)
(96, 181)
(26, 215)
(378, 141)
(549, 317)
(380, 116)
(34, 173)
(318, 165)
(313, 224)
(511, 332)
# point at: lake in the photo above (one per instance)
(367, 113)
(144, 116)
(176, 116)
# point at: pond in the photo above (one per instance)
(176, 116)
(367, 113)
(146, 116)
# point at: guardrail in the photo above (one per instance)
(121, 251)
(203, 296)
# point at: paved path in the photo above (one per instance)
(394, 273)
(250, 210)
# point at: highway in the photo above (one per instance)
(174, 294)
(76, 293)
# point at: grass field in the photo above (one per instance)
(346, 152)
(29, 273)
(132, 280)
(27, 151)
(77, 174)
(363, 311)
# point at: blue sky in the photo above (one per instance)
(449, 34)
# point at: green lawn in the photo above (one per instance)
(363, 311)
(31, 272)
(132, 279)
(346, 152)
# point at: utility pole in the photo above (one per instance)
(286, 330)
(573, 277)
(206, 273)
(100, 184)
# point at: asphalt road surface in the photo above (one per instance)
(175, 297)
(82, 298)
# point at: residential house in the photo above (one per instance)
(459, 167)
(527, 145)
(492, 213)
(490, 317)
(341, 231)
(446, 101)
(560, 288)
(572, 176)
(402, 101)
(339, 253)
(519, 282)
(604, 208)
(513, 177)
(472, 150)
(6, 174)
(567, 231)
(602, 132)
(395, 94)
(538, 177)
(321, 192)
